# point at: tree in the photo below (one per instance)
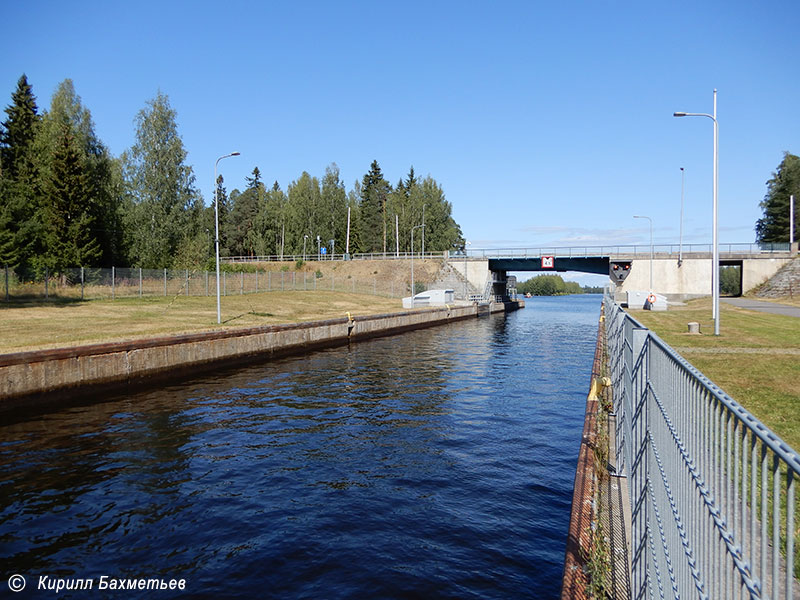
(334, 206)
(374, 192)
(66, 213)
(244, 239)
(222, 214)
(773, 227)
(304, 216)
(99, 172)
(441, 230)
(18, 132)
(19, 193)
(163, 205)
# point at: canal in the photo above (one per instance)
(435, 464)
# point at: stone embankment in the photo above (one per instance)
(46, 375)
(786, 282)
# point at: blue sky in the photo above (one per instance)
(545, 123)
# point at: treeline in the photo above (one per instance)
(65, 201)
(554, 285)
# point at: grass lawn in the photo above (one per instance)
(35, 325)
(755, 359)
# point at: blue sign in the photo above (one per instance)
(324, 250)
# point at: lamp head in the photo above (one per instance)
(234, 154)
(679, 114)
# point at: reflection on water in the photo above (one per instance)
(435, 464)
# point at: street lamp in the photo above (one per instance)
(423, 232)
(305, 237)
(216, 228)
(680, 235)
(651, 247)
(466, 278)
(412, 259)
(714, 239)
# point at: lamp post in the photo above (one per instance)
(466, 279)
(680, 235)
(714, 239)
(412, 260)
(423, 232)
(305, 237)
(651, 247)
(216, 228)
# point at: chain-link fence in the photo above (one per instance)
(90, 283)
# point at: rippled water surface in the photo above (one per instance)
(436, 464)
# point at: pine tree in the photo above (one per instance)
(773, 227)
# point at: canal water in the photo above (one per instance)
(435, 464)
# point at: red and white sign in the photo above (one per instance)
(548, 262)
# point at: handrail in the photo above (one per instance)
(710, 516)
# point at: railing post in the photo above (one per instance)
(140, 282)
(46, 288)
(165, 283)
(6, 283)
(187, 282)
(113, 283)
(81, 283)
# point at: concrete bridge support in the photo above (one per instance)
(693, 278)
(475, 270)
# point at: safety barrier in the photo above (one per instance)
(712, 489)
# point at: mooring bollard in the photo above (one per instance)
(694, 327)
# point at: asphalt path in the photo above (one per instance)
(768, 307)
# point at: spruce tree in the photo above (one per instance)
(66, 212)
(374, 192)
(773, 227)
(19, 193)
(100, 171)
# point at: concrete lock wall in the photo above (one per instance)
(65, 372)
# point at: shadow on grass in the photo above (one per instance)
(38, 302)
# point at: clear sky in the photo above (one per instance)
(545, 123)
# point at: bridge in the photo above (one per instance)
(678, 271)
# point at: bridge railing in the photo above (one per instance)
(330, 256)
(557, 251)
(712, 489)
(627, 250)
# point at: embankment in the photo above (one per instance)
(58, 374)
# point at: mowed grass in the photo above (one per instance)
(755, 359)
(38, 325)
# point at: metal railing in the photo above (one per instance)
(330, 256)
(95, 283)
(662, 250)
(712, 490)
